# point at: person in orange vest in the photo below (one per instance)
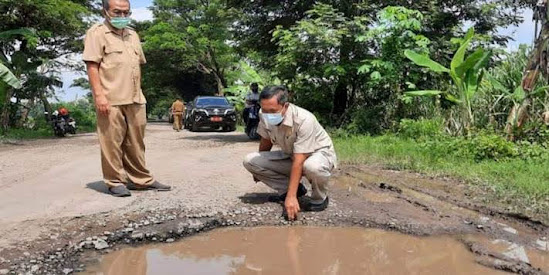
(178, 109)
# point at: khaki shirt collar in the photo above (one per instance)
(112, 29)
(289, 116)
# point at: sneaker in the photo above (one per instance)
(307, 205)
(301, 191)
(154, 186)
(120, 191)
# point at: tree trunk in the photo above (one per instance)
(47, 106)
(517, 117)
(5, 112)
(25, 112)
(221, 83)
(340, 98)
(340, 101)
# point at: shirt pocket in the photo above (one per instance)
(114, 54)
(290, 138)
(136, 53)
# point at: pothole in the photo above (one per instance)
(295, 250)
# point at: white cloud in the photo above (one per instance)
(142, 14)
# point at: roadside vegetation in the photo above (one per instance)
(407, 85)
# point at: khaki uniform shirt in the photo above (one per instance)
(178, 107)
(300, 132)
(119, 58)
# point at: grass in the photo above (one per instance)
(25, 134)
(514, 179)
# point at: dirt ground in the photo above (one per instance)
(55, 214)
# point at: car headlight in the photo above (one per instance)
(228, 111)
(200, 111)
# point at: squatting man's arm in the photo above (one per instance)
(291, 204)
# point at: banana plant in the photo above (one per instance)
(7, 77)
(466, 74)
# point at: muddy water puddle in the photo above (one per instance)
(296, 250)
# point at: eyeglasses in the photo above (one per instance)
(119, 13)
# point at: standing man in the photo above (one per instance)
(113, 56)
(178, 109)
(251, 98)
(307, 151)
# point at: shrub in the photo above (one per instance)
(416, 129)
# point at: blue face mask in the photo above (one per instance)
(273, 118)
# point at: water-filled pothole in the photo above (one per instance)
(296, 250)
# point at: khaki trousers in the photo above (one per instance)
(274, 168)
(121, 135)
(177, 121)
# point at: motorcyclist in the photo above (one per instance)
(64, 113)
(251, 99)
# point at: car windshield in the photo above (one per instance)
(212, 101)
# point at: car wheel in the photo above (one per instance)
(194, 127)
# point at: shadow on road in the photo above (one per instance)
(218, 137)
(98, 186)
(255, 198)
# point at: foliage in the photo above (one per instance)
(194, 35)
(7, 77)
(161, 108)
(34, 35)
(466, 75)
(354, 59)
(502, 93)
(422, 128)
(242, 76)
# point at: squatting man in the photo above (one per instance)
(306, 151)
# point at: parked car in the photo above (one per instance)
(210, 111)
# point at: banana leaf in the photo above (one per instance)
(8, 77)
(425, 61)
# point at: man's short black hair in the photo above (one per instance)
(281, 92)
(254, 84)
(107, 4)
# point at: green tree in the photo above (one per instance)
(196, 33)
(443, 21)
(328, 54)
(57, 27)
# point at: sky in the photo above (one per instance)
(523, 34)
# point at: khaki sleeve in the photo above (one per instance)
(94, 49)
(262, 130)
(142, 59)
(305, 141)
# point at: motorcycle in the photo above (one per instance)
(62, 125)
(253, 121)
